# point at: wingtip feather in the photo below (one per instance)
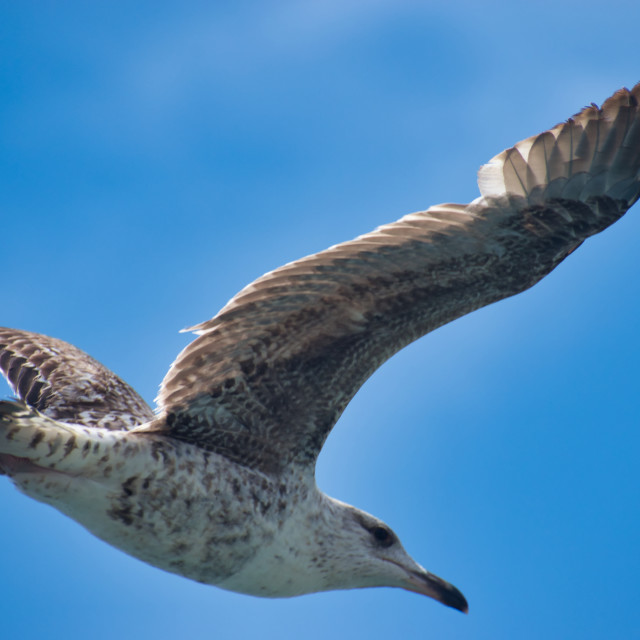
(595, 141)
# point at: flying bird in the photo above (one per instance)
(218, 484)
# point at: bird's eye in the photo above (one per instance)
(383, 536)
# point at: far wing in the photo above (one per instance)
(66, 384)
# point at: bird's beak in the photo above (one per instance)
(428, 584)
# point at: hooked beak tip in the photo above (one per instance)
(431, 585)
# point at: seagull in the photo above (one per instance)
(218, 483)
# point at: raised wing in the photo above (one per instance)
(268, 377)
(66, 384)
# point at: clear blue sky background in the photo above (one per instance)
(156, 157)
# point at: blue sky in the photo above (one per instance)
(156, 157)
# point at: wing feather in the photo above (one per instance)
(268, 377)
(66, 384)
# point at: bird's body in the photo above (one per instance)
(194, 512)
(219, 484)
(167, 503)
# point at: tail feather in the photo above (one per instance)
(40, 443)
(25, 433)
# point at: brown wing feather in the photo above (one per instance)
(268, 377)
(66, 384)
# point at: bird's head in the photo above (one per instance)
(326, 544)
(362, 551)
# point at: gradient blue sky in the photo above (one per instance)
(156, 157)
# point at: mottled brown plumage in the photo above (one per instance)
(269, 376)
(219, 486)
(66, 384)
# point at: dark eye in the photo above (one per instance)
(383, 536)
